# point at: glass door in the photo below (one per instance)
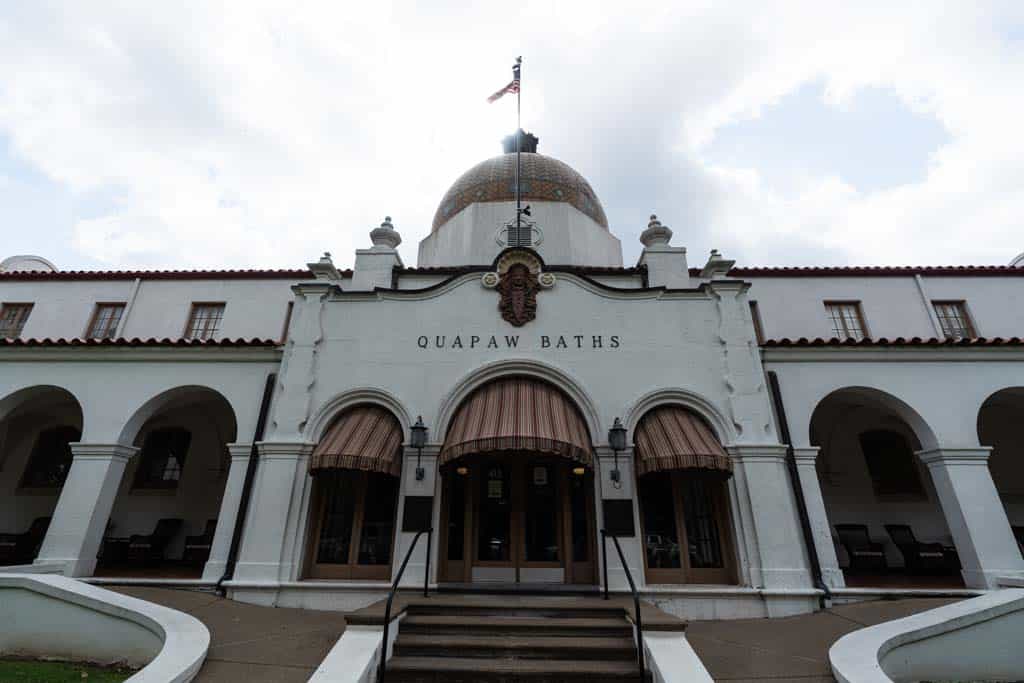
(495, 550)
(685, 528)
(355, 525)
(542, 533)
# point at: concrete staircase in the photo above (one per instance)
(512, 640)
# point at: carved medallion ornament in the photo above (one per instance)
(517, 280)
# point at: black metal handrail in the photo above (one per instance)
(636, 595)
(391, 597)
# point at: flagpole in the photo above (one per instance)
(517, 69)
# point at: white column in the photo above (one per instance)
(776, 553)
(974, 514)
(229, 511)
(821, 530)
(84, 506)
(273, 511)
(411, 486)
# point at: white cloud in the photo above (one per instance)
(240, 134)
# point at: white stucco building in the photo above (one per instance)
(127, 398)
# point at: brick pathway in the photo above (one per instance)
(251, 643)
(792, 649)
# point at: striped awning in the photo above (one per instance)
(518, 414)
(673, 438)
(366, 438)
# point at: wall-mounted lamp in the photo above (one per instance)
(617, 440)
(419, 440)
(579, 471)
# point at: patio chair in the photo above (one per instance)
(149, 549)
(22, 548)
(865, 554)
(919, 558)
(197, 548)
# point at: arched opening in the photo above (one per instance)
(355, 467)
(888, 526)
(165, 513)
(682, 474)
(517, 487)
(1000, 423)
(37, 426)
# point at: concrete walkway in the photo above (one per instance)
(250, 643)
(792, 649)
(268, 645)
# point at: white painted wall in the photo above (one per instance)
(793, 307)
(567, 236)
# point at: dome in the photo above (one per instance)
(543, 179)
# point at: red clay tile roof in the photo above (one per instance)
(161, 274)
(136, 341)
(818, 342)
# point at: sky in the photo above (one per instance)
(259, 135)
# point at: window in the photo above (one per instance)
(105, 320)
(12, 319)
(847, 319)
(162, 459)
(755, 316)
(50, 461)
(204, 322)
(890, 462)
(953, 319)
(356, 525)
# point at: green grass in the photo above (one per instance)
(24, 671)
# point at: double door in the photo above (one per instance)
(518, 519)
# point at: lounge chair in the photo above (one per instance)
(22, 548)
(149, 549)
(197, 548)
(920, 558)
(865, 554)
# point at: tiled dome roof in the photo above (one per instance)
(543, 179)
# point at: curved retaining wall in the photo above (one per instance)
(977, 639)
(61, 618)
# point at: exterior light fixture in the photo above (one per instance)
(617, 440)
(579, 471)
(462, 471)
(419, 440)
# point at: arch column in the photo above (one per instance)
(84, 506)
(274, 510)
(821, 530)
(229, 511)
(974, 514)
(775, 551)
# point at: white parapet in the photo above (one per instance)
(977, 639)
(61, 618)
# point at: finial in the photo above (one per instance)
(656, 234)
(385, 236)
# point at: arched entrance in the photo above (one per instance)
(355, 467)
(889, 529)
(517, 488)
(999, 426)
(682, 470)
(164, 517)
(37, 426)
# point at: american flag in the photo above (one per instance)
(510, 89)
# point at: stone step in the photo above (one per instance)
(512, 647)
(471, 670)
(594, 609)
(513, 625)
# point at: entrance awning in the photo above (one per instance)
(365, 438)
(673, 438)
(518, 414)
